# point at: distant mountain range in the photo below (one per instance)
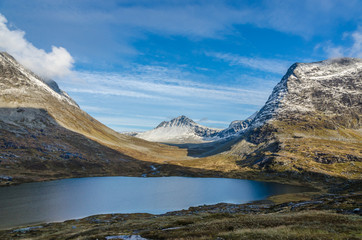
(309, 129)
(184, 130)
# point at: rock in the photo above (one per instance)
(126, 237)
(6, 178)
(27, 229)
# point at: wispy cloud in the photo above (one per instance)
(142, 96)
(209, 121)
(214, 17)
(56, 63)
(170, 88)
(266, 65)
(126, 121)
(352, 50)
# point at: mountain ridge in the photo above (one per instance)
(311, 124)
(319, 81)
(184, 130)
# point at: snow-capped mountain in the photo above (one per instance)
(184, 130)
(236, 127)
(332, 87)
(179, 130)
(311, 123)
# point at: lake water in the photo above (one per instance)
(33, 203)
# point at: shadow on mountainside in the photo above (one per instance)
(33, 147)
(207, 149)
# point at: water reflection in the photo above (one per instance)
(75, 198)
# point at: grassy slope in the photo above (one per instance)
(55, 152)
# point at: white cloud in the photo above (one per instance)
(266, 65)
(160, 91)
(208, 121)
(127, 121)
(354, 50)
(166, 87)
(56, 63)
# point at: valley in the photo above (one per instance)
(308, 133)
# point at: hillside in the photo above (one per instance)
(309, 129)
(311, 124)
(44, 134)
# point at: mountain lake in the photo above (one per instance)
(53, 201)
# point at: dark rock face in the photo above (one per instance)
(325, 158)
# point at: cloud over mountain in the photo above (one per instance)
(56, 63)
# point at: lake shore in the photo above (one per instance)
(297, 208)
(315, 216)
(66, 199)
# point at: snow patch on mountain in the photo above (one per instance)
(8, 63)
(328, 86)
(184, 130)
(180, 129)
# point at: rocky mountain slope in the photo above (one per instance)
(184, 130)
(44, 133)
(309, 130)
(310, 125)
(331, 88)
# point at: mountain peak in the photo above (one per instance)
(184, 130)
(331, 87)
(180, 121)
(26, 86)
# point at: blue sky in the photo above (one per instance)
(133, 64)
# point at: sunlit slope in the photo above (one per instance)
(21, 88)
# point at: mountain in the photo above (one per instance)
(178, 130)
(184, 130)
(236, 127)
(310, 125)
(44, 134)
(308, 130)
(330, 88)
